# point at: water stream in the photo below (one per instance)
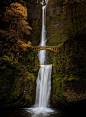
(43, 86)
(43, 82)
(44, 76)
(42, 53)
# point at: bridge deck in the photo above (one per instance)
(52, 48)
(45, 46)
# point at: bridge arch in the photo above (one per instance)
(52, 48)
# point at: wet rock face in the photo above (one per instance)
(34, 11)
(35, 21)
(54, 23)
(54, 7)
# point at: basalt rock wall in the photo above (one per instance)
(35, 21)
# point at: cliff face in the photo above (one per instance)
(54, 23)
(35, 21)
(68, 76)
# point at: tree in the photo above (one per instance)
(16, 16)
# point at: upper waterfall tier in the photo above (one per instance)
(42, 53)
(44, 2)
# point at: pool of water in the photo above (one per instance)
(40, 112)
(31, 112)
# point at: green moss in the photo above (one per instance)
(17, 77)
(69, 65)
(54, 30)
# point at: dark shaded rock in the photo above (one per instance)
(35, 21)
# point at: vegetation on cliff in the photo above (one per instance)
(18, 64)
(69, 62)
(69, 66)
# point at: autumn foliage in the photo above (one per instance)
(16, 14)
(17, 66)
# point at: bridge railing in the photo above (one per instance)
(52, 48)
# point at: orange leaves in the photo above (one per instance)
(16, 16)
(16, 10)
(19, 10)
(24, 26)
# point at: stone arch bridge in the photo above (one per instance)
(52, 48)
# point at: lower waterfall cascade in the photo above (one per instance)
(43, 86)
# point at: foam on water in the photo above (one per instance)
(38, 110)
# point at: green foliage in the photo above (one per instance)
(17, 72)
(74, 15)
(69, 63)
(69, 66)
(53, 31)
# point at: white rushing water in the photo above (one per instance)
(44, 76)
(43, 82)
(42, 53)
(43, 86)
(44, 1)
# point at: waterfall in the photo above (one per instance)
(42, 53)
(44, 76)
(43, 86)
(43, 83)
(44, 2)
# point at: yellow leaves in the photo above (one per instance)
(9, 58)
(2, 31)
(29, 43)
(18, 9)
(28, 27)
(24, 45)
(16, 16)
(24, 26)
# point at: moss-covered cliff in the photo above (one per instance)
(18, 72)
(54, 22)
(69, 69)
(69, 62)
